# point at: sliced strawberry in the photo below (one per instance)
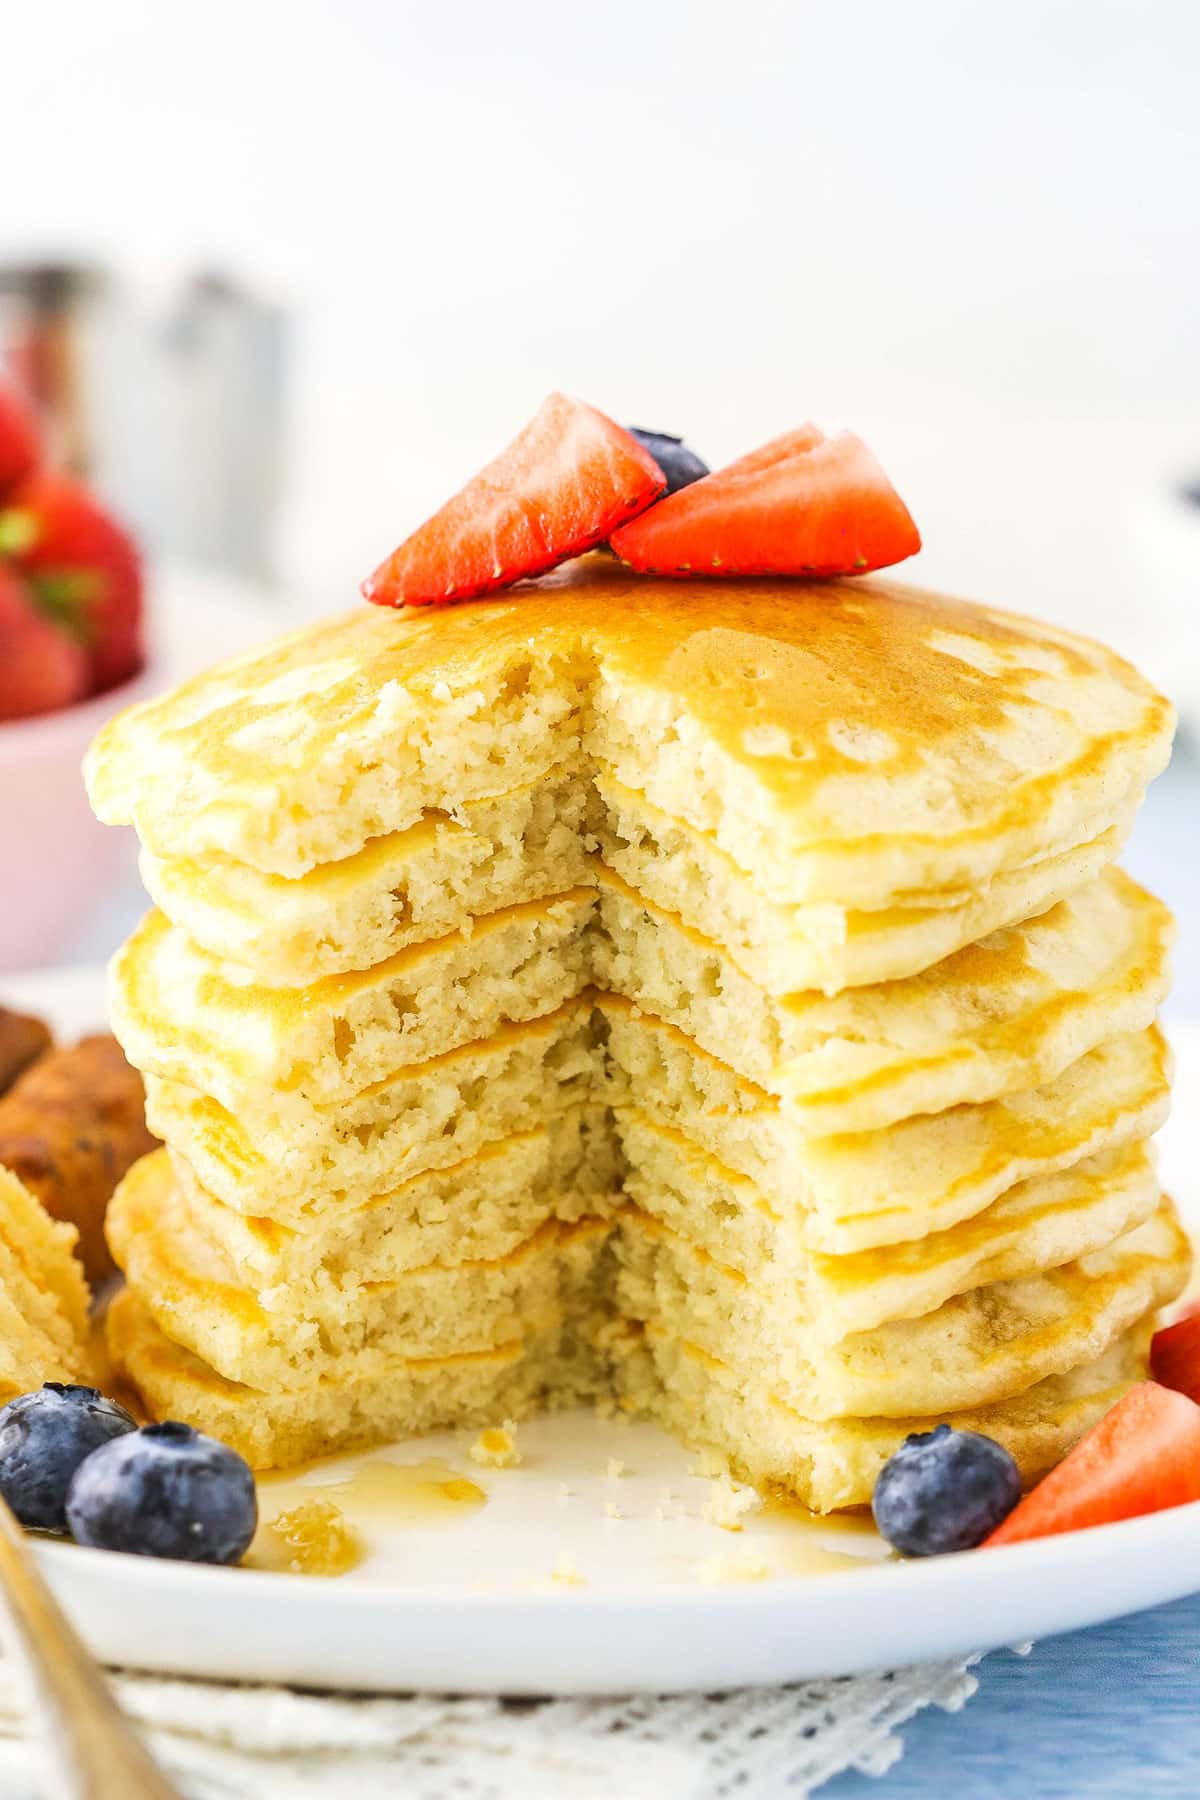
(20, 441)
(1175, 1354)
(42, 668)
(561, 487)
(84, 567)
(1143, 1456)
(804, 504)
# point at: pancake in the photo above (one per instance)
(822, 1464)
(843, 1194)
(1006, 1014)
(833, 1464)
(846, 742)
(43, 1295)
(1079, 1284)
(181, 1014)
(711, 998)
(1034, 1225)
(484, 1207)
(288, 1336)
(851, 1192)
(408, 887)
(285, 1426)
(425, 1116)
(431, 879)
(787, 947)
(977, 1348)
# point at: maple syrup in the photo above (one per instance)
(378, 1495)
(803, 1546)
(314, 1538)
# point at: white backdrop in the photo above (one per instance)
(968, 230)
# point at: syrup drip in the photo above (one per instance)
(858, 1524)
(802, 1546)
(817, 1559)
(314, 1538)
(378, 1496)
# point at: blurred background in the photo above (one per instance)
(284, 276)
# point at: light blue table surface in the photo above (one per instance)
(1112, 1712)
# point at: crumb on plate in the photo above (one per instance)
(728, 1503)
(724, 1571)
(318, 1538)
(565, 1574)
(496, 1447)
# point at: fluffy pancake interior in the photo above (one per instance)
(571, 994)
(418, 884)
(868, 741)
(1007, 1013)
(830, 1464)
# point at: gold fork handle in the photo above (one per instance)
(91, 1748)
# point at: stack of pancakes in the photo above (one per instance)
(717, 997)
(43, 1296)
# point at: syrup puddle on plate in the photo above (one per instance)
(778, 1540)
(327, 1519)
(626, 1513)
(817, 1559)
(807, 1543)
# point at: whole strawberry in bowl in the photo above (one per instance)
(71, 652)
(42, 666)
(83, 572)
(20, 440)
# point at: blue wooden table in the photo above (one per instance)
(1112, 1712)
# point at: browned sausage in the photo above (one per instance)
(22, 1041)
(70, 1126)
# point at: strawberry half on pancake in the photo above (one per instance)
(568, 481)
(805, 504)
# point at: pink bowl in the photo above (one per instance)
(56, 859)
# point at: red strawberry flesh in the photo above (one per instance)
(1143, 1456)
(1175, 1354)
(802, 505)
(42, 668)
(564, 485)
(84, 566)
(20, 442)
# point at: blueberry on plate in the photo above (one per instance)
(944, 1490)
(165, 1490)
(680, 465)
(44, 1436)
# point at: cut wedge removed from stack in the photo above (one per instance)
(709, 998)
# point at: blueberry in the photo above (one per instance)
(165, 1490)
(44, 1437)
(680, 465)
(944, 1490)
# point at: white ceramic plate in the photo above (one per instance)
(467, 1600)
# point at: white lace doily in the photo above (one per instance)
(256, 1743)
